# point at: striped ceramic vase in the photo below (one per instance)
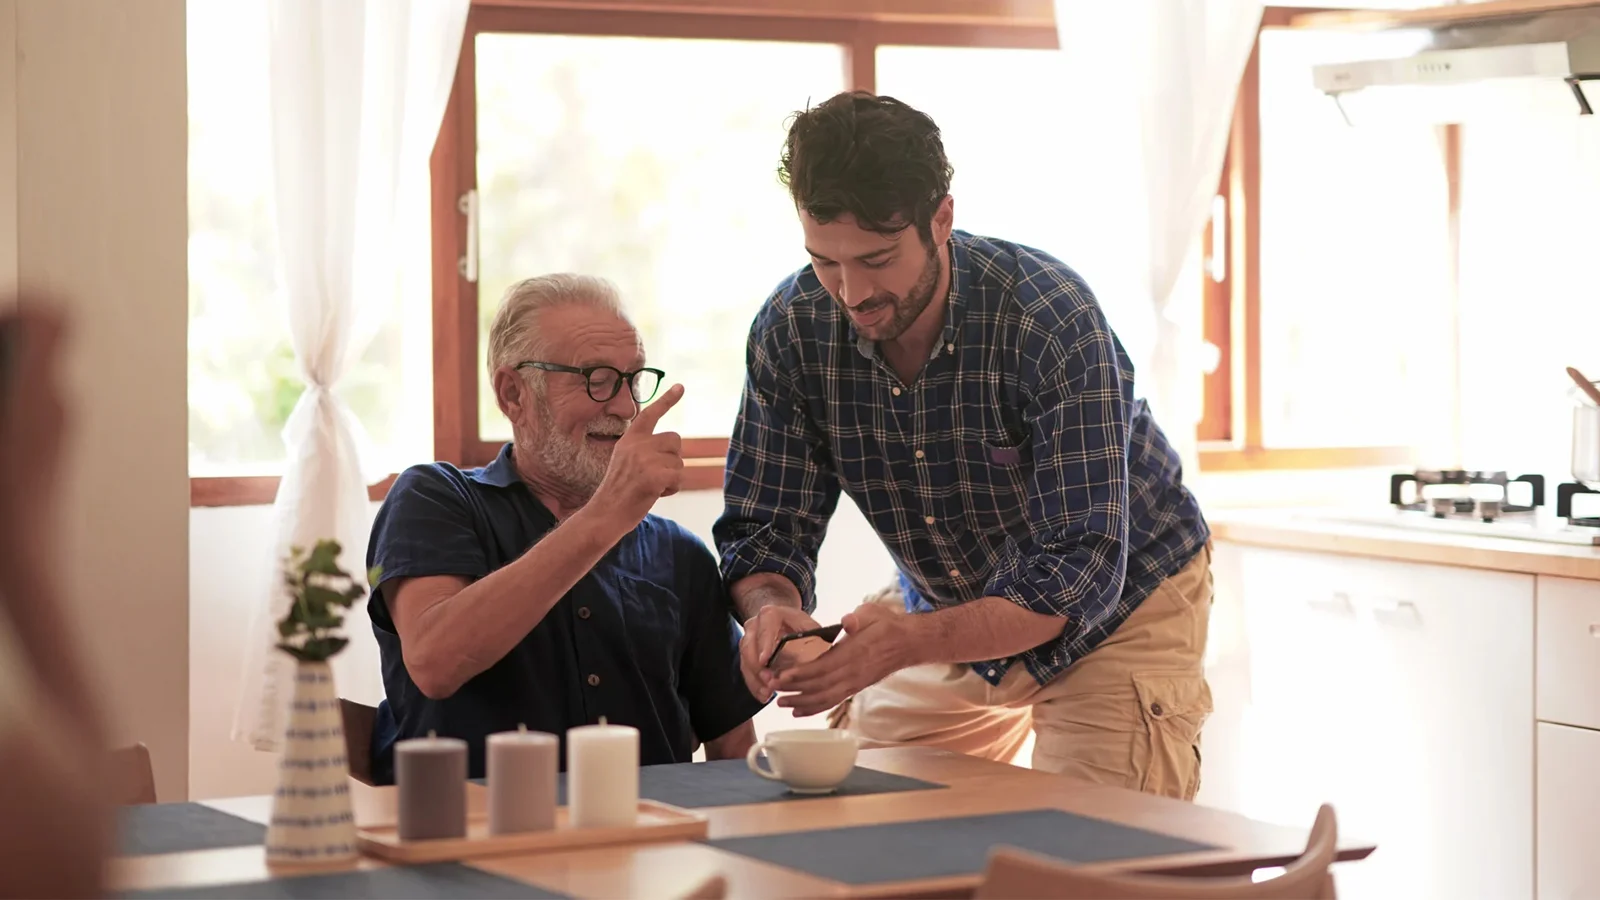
(311, 819)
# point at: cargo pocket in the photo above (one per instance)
(1174, 707)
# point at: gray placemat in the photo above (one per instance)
(729, 782)
(939, 848)
(176, 827)
(445, 881)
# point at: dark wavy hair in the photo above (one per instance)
(872, 157)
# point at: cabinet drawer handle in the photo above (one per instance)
(1396, 611)
(1339, 603)
(1594, 630)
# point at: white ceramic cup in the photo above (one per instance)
(808, 760)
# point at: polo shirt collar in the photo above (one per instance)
(502, 472)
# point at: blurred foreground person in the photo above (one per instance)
(55, 818)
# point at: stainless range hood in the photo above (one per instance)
(1494, 68)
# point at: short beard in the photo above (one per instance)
(915, 302)
(576, 466)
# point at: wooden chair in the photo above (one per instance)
(133, 780)
(1015, 875)
(358, 723)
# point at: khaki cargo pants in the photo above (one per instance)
(1127, 714)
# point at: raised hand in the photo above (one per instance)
(645, 466)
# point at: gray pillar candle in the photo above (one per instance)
(431, 776)
(522, 780)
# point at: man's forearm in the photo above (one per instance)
(988, 628)
(474, 628)
(733, 745)
(762, 589)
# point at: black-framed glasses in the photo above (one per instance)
(603, 382)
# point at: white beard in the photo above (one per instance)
(579, 465)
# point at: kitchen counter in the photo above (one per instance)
(1320, 531)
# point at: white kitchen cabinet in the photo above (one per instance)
(1569, 804)
(1569, 652)
(1403, 694)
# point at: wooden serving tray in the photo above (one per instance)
(657, 823)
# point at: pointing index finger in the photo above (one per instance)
(645, 421)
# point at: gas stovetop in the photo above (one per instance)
(1487, 504)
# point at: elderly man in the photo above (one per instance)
(969, 395)
(539, 590)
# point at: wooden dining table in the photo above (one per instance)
(974, 787)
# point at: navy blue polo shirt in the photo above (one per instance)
(646, 639)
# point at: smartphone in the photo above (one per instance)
(828, 633)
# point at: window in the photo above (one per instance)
(1529, 306)
(555, 155)
(665, 185)
(1334, 314)
(1355, 265)
(999, 179)
(243, 382)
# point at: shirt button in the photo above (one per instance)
(1155, 710)
(594, 681)
(919, 454)
(894, 391)
(955, 573)
(583, 612)
(991, 673)
(928, 519)
(950, 347)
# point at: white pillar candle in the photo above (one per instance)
(522, 780)
(602, 776)
(431, 776)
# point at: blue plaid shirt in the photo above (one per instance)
(1018, 464)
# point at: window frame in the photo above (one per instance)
(1230, 432)
(859, 28)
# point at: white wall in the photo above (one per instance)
(93, 209)
(226, 542)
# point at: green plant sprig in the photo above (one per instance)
(321, 591)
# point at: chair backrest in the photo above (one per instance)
(358, 722)
(133, 780)
(1015, 875)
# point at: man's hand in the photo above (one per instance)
(875, 644)
(761, 635)
(644, 467)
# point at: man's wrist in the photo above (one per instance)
(758, 590)
(600, 525)
(916, 640)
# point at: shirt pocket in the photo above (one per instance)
(653, 617)
(995, 478)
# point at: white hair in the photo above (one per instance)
(514, 337)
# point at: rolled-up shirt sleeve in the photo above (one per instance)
(780, 489)
(1074, 563)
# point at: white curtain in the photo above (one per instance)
(1152, 84)
(358, 88)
